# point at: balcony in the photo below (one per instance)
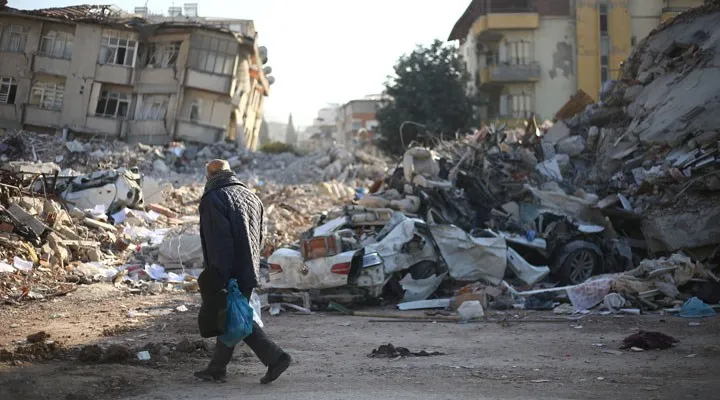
(51, 65)
(509, 73)
(104, 126)
(670, 13)
(114, 74)
(499, 19)
(199, 132)
(209, 82)
(41, 117)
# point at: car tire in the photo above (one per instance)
(578, 266)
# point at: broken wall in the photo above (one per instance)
(557, 64)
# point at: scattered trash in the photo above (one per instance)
(143, 356)
(696, 308)
(392, 352)
(644, 340)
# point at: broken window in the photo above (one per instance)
(516, 105)
(14, 38)
(154, 107)
(47, 95)
(113, 104)
(195, 110)
(212, 54)
(118, 49)
(162, 55)
(57, 44)
(8, 90)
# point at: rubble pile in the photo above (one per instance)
(653, 142)
(182, 163)
(571, 209)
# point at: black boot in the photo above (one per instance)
(211, 375)
(275, 370)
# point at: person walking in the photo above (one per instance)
(231, 234)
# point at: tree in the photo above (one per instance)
(290, 134)
(264, 136)
(429, 88)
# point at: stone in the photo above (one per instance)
(593, 137)
(632, 93)
(95, 255)
(558, 132)
(573, 146)
(160, 167)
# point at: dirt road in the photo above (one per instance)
(566, 360)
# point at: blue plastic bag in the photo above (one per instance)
(239, 316)
(696, 308)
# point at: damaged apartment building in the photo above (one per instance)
(97, 70)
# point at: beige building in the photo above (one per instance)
(531, 56)
(97, 70)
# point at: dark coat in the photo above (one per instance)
(231, 231)
(231, 220)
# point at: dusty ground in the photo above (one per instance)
(482, 361)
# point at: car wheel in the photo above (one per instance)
(579, 266)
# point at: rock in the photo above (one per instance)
(632, 93)
(573, 146)
(117, 354)
(95, 255)
(558, 132)
(593, 136)
(159, 166)
(92, 353)
(38, 337)
(563, 161)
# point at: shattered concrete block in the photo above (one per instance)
(673, 232)
(632, 93)
(95, 255)
(573, 146)
(593, 137)
(558, 132)
(160, 167)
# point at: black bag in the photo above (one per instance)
(212, 318)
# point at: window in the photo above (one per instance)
(516, 105)
(118, 49)
(195, 110)
(154, 107)
(162, 55)
(47, 95)
(57, 44)
(8, 90)
(213, 55)
(14, 38)
(113, 104)
(603, 18)
(604, 73)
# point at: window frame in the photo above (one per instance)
(119, 98)
(213, 55)
(162, 51)
(51, 95)
(196, 107)
(110, 45)
(65, 38)
(7, 34)
(9, 96)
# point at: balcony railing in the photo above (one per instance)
(515, 72)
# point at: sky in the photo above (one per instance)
(320, 51)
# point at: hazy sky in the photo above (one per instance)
(321, 51)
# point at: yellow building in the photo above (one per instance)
(531, 55)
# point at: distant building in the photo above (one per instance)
(357, 116)
(532, 55)
(99, 70)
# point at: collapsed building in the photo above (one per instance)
(98, 70)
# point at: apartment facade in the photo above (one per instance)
(356, 119)
(531, 56)
(97, 70)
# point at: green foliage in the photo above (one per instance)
(291, 136)
(278, 147)
(429, 88)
